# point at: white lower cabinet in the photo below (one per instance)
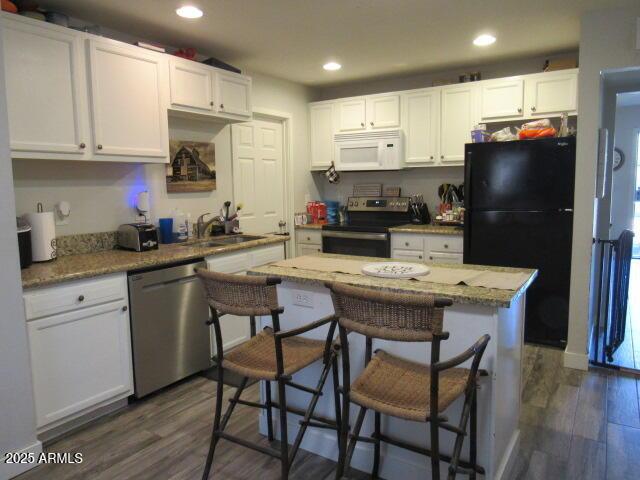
(236, 329)
(432, 248)
(81, 356)
(308, 241)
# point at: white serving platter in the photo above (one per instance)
(395, 269)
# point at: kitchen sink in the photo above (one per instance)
(231, 240)
(219, 242)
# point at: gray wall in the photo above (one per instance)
(607, 41)
(624, 180)
(426, 79)
(17, 411)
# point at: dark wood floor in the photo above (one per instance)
(575, 425)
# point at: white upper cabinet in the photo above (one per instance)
(458, 117)
(233, 94)
(420, 120)
(321, 129)
(552, 93)
(129, 109)
(383, 111)
(45, 81)
(501, 98)
(352, 115)
(191, 85)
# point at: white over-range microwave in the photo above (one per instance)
(381, 150)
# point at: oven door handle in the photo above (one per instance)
(381, 237)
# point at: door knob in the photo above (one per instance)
(81, 298)
(362, 124)
(441, 157)
(533, 109)
(431, 157)
(125, 308)
(82, 145)
(519, 110)
(222, 105)
(211, 103)
(99, 147)
(371, 123)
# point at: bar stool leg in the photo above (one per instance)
(435, 449)
(376, 446)
(354, 438)
(267, 391)
(473, 433)
(216, 423)
(344, 437)
(284, 441)
(336, 398)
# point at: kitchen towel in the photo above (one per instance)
(43, 236)
(444, 275)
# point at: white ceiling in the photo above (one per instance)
(292, 38)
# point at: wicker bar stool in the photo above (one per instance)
(270, 355)
(401, 388)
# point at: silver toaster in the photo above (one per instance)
(140, 237)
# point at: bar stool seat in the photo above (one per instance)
(400, 388)
(256, 358)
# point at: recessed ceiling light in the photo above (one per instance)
(189, 11)
(331, 66)
(484, 40)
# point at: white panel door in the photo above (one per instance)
(321, 130)
(458, 116)
(233, 94)
(258, 175)
(552, 93)
(352, 115)
(383, 111)
(46, 100)
(128, 100)
(421, 110)
(502, 98)
(191, 85)
(79, 359)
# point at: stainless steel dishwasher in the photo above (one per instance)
(169, 333)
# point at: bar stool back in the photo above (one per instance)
(401, 388)
(270, 355)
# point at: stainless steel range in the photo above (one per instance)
(367, 231)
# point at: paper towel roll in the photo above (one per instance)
(43, 235)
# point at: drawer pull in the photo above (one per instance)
(406, 244)
(125, 308)
(308, 239)
(99, 147)
(83, 145)
(420, 257)
(446, 245)
(81, 298)
(430, 258)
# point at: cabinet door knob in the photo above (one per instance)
(406, 244)
(222, 105)
(430, 258)
(125, 308)
(362, 124)
(441, 157)
(446, 246)
(420, 257)
(519, 110)
(83, 145)
(99, 147)
(81, 298)
(211, 103)
(371, 123)
(431, 157)
(533, 109)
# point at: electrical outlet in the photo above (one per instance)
(302, 298)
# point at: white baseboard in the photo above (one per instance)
(504, 469)
(579, 361)
(10, 470)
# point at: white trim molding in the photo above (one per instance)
(579, 361)
(10, 470)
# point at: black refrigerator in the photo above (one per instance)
(519, 213)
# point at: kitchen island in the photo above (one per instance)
(476, 311)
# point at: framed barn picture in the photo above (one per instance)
(192, 166)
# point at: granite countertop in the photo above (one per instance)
(309, 226)
(439, 229)
(458, 293)
(73, 267)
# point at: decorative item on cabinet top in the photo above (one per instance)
(67, 92)
(437, 121)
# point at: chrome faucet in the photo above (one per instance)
(202, 226)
